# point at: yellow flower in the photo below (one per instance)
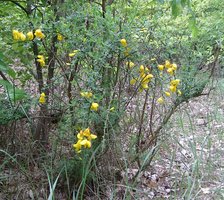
(160, 100)
(141, 68)
(149, 76)
(59, 37)
(123, 42)
(94, 106)
(78, 146)
(80, 135)
(130, 64)
(142, 75)
(179, 92)
(30, 35)
(86, 94)
(146, 69)
(42, 99)
(41, 60)
(38, 33)
(173, 88)
(175, 82)
(167, 94)
(16, 34)
(145, 86)
(89, 95)
(22, 37)
(145, 80)
(167, 64)
(170, 71)
(133, 81)
(86, 143)
(174, 66)
(71, 54)
(93, 137)
(86, 132)
(161, 67)
(40, 57)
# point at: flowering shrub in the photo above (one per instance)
(161, 81)
(100, 72)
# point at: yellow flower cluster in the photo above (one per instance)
(86, 94)
(144, 78)
(42, 99)
(18, 35)
(30, 36)
(84, 140)
(170, 67)
(173, 85)
(94, 106)
(172, 89)
(41, 60)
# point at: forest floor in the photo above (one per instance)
(189, 164)
(190, 160)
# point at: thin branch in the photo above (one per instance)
(19, 5)
(140, 128)
(3, 76)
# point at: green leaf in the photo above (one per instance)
(193, 26)
(14, 93)
(176, 8)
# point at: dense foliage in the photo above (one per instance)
(100, 68)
